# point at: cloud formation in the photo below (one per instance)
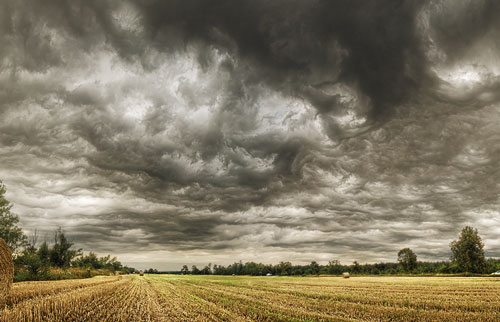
(171, 132)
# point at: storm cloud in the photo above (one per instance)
(172, 132)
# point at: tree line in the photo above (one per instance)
(467, 257)
(49, 261)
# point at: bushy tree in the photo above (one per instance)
(467, 251)
(92, 261)
(207, 270)
(407, 259)
(61, 253)
(355, 267)
(44, 254)
(9, 231)
(31, 261)
(284, 268)
(313, 268)
(195, 270)
(334, 267)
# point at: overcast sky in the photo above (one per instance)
(185, 132)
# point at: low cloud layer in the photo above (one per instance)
(172, 132)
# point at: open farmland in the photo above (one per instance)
(229, 298)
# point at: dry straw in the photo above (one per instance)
(346, 275)
(6, 269)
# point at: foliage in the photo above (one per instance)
(32, 263)
(59, 262)
(61, 253)
(195, 270)
(91, 260)
(44, 254)
(334, 267)
(9, 230)
(184, 269)
(407, 259)
(48, 273)
(468, 253)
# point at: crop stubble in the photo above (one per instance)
(216, 298)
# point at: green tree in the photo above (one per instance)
(31, 261)
(407, 259)
(195, 270)
(206, 270)
(31, 242)
(467, 251)
(314, 268)
(184, 269)
(44, 254)
(334, 267)
(62, 254)
(9, 231)
(355, 267)
(284, 268)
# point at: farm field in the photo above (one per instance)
(241, 298)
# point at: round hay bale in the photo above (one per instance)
(6, 269)
(345, 275)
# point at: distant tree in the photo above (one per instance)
(314, 268)
(207, 270)
(31, 261)
(115, 265)
(467, 251)
(61, 253)
(184, 269)
(284, 268)
(91, 261)
(334, 267)
(128, 270)
(9, 231)
(407, 259)
(355, 267)
(31, 242)
(195, 270)
(44, 254)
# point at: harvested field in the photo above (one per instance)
(235, 298)
(96, 299)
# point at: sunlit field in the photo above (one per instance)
(236, 298)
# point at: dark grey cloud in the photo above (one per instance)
(303, 47)
(172, 132)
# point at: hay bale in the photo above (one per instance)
(6, 269)
(141, 273)
(345, 275)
